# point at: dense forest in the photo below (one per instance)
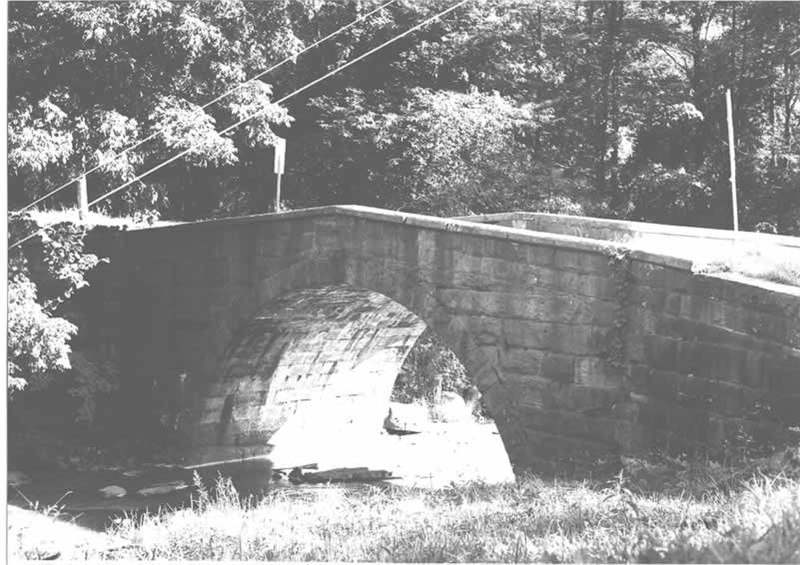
(614, 109)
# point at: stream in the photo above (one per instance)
(446, 453)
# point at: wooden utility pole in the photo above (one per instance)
(83, 199)
(280, 162)
(732, 154)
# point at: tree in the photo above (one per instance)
(598, 80)
(89, 79)
(38, 338)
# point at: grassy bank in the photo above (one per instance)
(650, 513)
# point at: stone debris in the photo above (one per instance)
(18, 478)
(340, 475)
(113, 491)
(402, 420)
(163, 488)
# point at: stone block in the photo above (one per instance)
(785, 408)
(710, 360)
(661, 353)
(727, 399)
(548, 453)
(592, 372)
(653, 299)
(532, 393)
(653, 383)
(782, 376)
(576, 283)
(542, 255)
(579, 339)
(569, 425)
(560, 368)
(582, 261)
(523, 360)
(590, 401)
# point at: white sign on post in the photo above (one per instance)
(280, 155)
(280, 161)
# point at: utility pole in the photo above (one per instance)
(280, 162)
(83, 199)
(732, 155)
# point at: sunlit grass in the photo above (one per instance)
(697, 514)
(763, 260)
(774, 265)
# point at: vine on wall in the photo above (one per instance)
(619, 261)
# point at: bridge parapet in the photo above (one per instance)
(702, 246)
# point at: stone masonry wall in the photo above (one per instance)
(581, 351)
(712, 361)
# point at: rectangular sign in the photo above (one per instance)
(280, 155)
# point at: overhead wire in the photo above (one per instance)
(256, 114)
(207, 104)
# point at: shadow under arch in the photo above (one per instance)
(309, 364)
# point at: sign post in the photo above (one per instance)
(732, 155)
(280, 162)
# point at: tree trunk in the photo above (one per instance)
(606, 107)
(696, 80)
(788, 103)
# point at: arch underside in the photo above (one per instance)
(316, 359)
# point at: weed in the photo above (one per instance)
(688, 511)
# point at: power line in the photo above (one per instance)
(207, 104)
(256, 114)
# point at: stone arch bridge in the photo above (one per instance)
(582, 347)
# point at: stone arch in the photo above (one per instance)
(529, 322)
(527, 318)
(322, 357)
(476, 340)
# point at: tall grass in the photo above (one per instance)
(650, 514)
(778, 265)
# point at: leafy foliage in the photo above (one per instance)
(606, 108)
(41, 279)
(90, 79)
(665, 195)
(429, 369)
(461, 153)
(37, 342)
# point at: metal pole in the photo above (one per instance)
(278, 194)
(83, 199)
(732, 154)
(280, 162)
